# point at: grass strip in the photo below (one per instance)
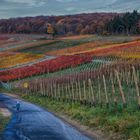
(116, 124)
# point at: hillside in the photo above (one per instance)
(70, 24)
(95, 23)
(83, 77)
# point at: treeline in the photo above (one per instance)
(63, 25)
(129, 23)
(94, 23)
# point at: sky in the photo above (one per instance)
(22, 8)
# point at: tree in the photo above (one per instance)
(86, 30)
(79, 28)
(128, 23)
(50, 30)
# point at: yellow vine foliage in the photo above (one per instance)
(17, 59)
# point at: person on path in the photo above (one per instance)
(18, 106)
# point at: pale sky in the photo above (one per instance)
(22, 8)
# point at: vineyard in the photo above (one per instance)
(98, 71)
(92, 71)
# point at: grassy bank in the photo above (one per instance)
(3, 119)
(118, 124)
(3, 122)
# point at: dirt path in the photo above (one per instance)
(35, 123)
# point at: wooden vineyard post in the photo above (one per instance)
(33, 89)
(138, 77)
(89, 94)
(70, 99)
(63, 93)
(52, 87)
(59, 94)
(51, 95)
(55, 92)
(120, 89)
(99, 92)
(123, 75)
(91, 91)
(50, 90)
(113, 92)
(66, 89)
(137, 87)
(36, 86)
(105, 90)
(76, 91)
(128, 78)
(41, 88)
(44, 92)
(47, 90)
(72, 92)
(132, 79)
(80, 94)
(68, 95)
(84, 85)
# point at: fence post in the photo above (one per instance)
(120, 88)
(92, 94)
(80, 94)
(84, 85)
(105, 90)
(137, 87)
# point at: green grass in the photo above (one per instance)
(3, 122)
(120, 124)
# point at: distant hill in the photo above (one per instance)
(92, 23)
(64, 25)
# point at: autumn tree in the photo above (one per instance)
(91, 23)
(79, 28)
(50, 30)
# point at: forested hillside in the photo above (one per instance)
(94, 23)
(72, 24)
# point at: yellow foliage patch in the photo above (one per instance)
(18, 58)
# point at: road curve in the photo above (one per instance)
(35, 123)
